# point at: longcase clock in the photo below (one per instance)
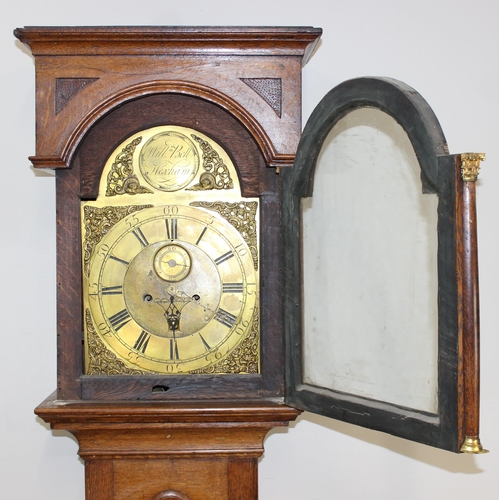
(204, 297)
(167, 145)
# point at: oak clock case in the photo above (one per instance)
(153, 326)
(170, 267)
(170, 276)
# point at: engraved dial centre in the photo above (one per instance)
(168, 279)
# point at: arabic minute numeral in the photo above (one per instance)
(241, 249)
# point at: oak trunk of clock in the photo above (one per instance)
(167, 144)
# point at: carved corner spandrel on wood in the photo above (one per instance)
(270, 89)
(67, 89)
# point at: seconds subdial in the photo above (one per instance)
(172, 263)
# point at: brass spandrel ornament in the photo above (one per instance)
(216, 173)
(171, 284)
(97, 222)
(121, 177)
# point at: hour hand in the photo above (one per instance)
(173, 315)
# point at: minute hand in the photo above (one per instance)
(194, 299)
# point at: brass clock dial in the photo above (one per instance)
(171, 285)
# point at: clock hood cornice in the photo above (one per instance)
(83, 73)
(148, 40)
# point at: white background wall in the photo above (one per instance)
(445, 49)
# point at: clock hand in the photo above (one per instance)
(195, 298)
(173, 315)
(173, 305)
(171, 312)
(173, 263)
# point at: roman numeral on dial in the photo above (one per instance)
(232, 287)
(223, 258)
(112, 290)
(174, 351)
(142, 342)
(227, 319)
(205, 343)
(121, 261)
(201, 236)
(171, 227)
(140, 237)
(120, 319)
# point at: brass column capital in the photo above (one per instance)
(471, 165)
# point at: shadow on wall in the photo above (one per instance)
(458, 463)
